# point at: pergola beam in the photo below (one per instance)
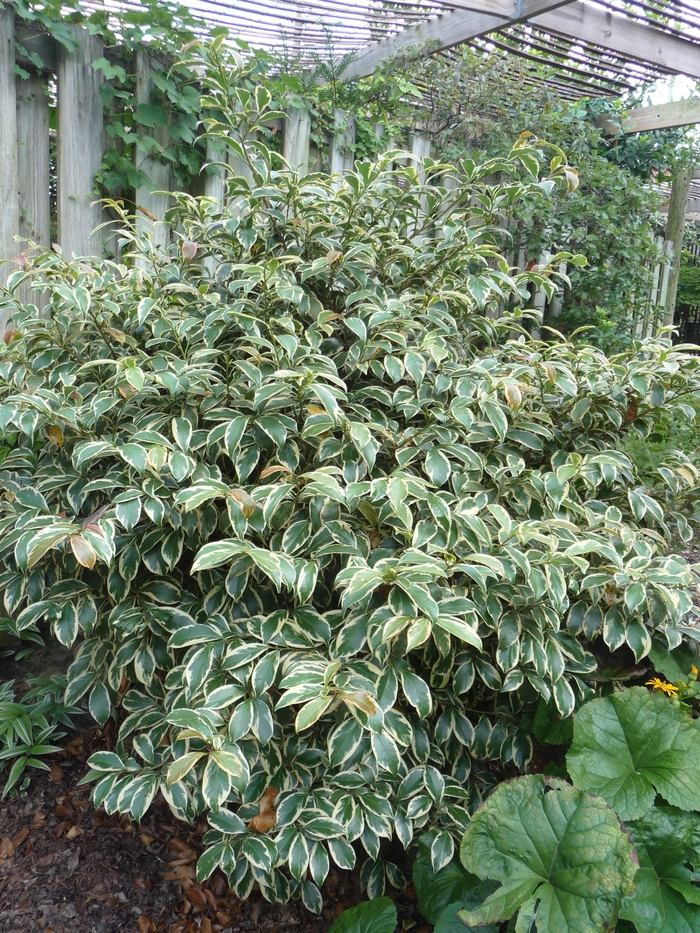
(450, 29)
(656, 117)
(623, 35)
(574, 20)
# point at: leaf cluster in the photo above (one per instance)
(563, 857)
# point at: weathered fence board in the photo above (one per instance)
(150, 201)
(34, 179)
(297, 138)
(9, 214)
(342, 155)
(80, 144)
(33, 157)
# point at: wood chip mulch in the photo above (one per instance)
(66, 868)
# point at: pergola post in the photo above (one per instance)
(675, 225)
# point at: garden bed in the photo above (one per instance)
(65, 868)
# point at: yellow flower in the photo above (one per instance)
(657, 684)
(694, 671)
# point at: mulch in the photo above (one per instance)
(66, 868)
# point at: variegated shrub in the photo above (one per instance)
(313, 519)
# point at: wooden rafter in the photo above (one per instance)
(657, 117)
(625, 36)
(450, 29)
(575, 20)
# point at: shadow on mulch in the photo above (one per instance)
(66, 868)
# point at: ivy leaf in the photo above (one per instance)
(560, 854)
(666, 840)
(632, 745)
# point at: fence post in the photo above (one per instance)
(9, 202)
(35, 177)
(80, 142)
(675, 225)
(420, 149)
(665, 280)
(342, 154)
(157, 170)
(297, 139)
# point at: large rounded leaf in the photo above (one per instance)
(377, 916)
(560, 854)
(443, 893)
(665, 899)
(631, 745)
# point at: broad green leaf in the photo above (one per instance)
(46, 539)
(377, 916)
(667, 842)
(436, 890)
(216, 784)
(135, 455)
(461, 629)
(560, 855)
(632, 745)
(99, 703)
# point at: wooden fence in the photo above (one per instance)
(81, 226)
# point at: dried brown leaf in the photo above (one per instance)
(20, 837)
(56, 773)
(7, 849)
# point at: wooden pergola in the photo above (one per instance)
(591, 48)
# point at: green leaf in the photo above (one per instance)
(386, 752)
(99, 703)
(461, 629)
(632, 745)
(438, 889)
(106, 761)
(217, 553)
(216, 784)
(182, 432)
(182, 766)
(449, 920)
(311, 712)
(437, 466)
(46, 539)
(560, 855)
(667, 841)
(377, 916)
(135, 455)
